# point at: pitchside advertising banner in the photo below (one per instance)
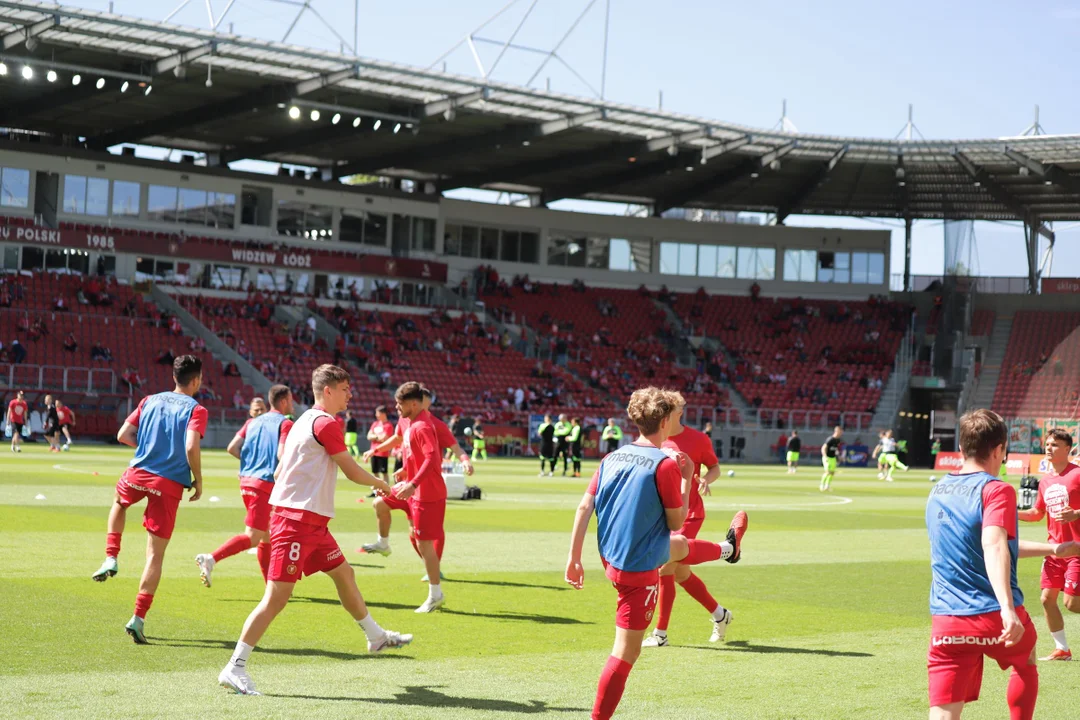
(1061, 286)
(243, 252)
(1019, 464)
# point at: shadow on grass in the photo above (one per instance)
(743, 646)
(499, 583)
(291, 652)
(365, 565)
(524, 617)
(422, 696)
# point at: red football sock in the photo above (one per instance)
(1023, 692)
(142, 604)
(701, 551)
(112, 544)
(665, 601)
(698, 591)
(235, 544)
(439, 547)
(610, 689)
(264, 558)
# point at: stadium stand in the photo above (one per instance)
(1042, 362)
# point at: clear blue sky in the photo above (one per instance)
(846, 67)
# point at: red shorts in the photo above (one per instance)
(957, 648)
(299, 548)
(636, 606)
(396, 503)
(427, 519)
(162, 499)
(690, 528)
(257, 502)
(1061, 574)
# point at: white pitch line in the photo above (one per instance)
(68, 468)
(835, 500)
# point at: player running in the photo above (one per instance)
(794, 446)
(258, 445)
(383, 505)
(889, 448)
(479, 443)
(576, 440)
(66, 417)
(877, 454)
(640, 495)
(165, 431)
(697, 446)
(377, 434)
(976, 604)
(546, 433)
(830, 451)
(17, 416)
(1059, 502)
(611, 436)
(300, 541)
(51, 429)
(422, 485)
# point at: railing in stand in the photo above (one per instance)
(58, 378)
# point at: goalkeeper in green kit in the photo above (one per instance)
(612, 436)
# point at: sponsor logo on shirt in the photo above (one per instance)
(965, 640)
(1056, 498)
(631, 459)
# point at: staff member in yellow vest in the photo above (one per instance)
(576, 441)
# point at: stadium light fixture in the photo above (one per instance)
(100, 83)
(3, 69)
(294, 112)
(1048, 182)
(755, 175)
(315, 115)
(336, 119)
(125, 86)
(689, 168)
(377, 125)
(356, 122)
(978, 184)
(148, 89)
(51, 76)
(397, 128)
(27, 72)
(76, 79)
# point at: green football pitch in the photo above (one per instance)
(829, 601)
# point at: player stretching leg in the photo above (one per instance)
(698, 447)
(165, 431)
(384, 505)
(300, 541)
(258, 446)
(17, 415)
(888, 453)
(640, 494)
(829, 453)
(976, 604)
(1058, 501)
(420, 482)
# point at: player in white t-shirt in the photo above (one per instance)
(300, 542)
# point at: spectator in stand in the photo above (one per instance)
(231, 370)
(131, 377)
(167, 357)
(130, 309)
(100, 352)
(238, 399)
(5, 296)
(17, 352)
(197, 344)
(60, 304)
(70, 343)
(755, 292)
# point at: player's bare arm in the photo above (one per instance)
(1066, 515)
(387, 446)
(575, 573)
(1038, 549)
(711, 476)
(236, 444)
(1032, 515)
(128, 435)
(357, 474)
(194, 458)
(463, 457)
(995, 542)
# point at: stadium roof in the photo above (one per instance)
(458, 131)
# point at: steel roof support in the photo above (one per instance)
(450, 104)
(983, 179)
(797, 198)
(15, 38)
(1050, 173)
(725, 177)
(908, 224)
(513, 135)
(172, 62)
(633, 172)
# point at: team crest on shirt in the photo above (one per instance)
(291, 569)
(648, 615)
(1056, 498)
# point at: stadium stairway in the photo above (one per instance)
(896, 387)
(215, 345)
(681, 347)
(735, 398)
(995, 357)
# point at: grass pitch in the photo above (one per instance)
(830, 606)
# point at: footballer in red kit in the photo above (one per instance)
(698, 447)
(17, 414)
(1059, 502)
(258, 445)
(166, 430)
(300, 540)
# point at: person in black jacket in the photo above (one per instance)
(794, 446)
(51, 430)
